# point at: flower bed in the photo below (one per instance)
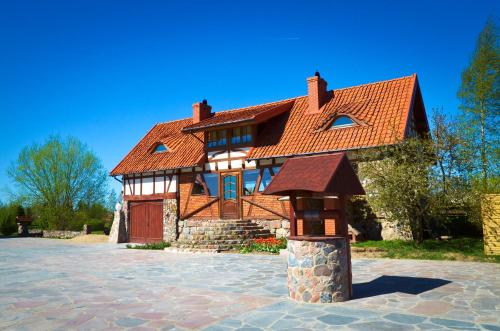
(269, 245)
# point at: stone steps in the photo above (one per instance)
(218, 235)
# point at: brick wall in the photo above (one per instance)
(189, 203)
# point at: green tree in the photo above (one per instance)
(57, 177)
(479, 94)
(399, 183)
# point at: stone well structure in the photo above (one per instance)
(319, 270)
(319, 254)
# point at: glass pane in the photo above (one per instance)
(212, 182)
(198, 186)
(160, 148)
(276, 170)
(222, 138)
(342, 121)
(249, 181)
(230, 187)
(236, 136)
(246, 134)
(266, 179)
(212, 139)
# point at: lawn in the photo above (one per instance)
(460, 249)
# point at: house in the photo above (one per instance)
(199, 180)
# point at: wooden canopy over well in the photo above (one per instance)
(323, 174)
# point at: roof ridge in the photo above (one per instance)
(258, 105)
(173, 121)
(378, 82)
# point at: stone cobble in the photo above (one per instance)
(318, 271)
(55, 285)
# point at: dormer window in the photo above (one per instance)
(342, 121)
(160, 148)
(216, 138)
(241, 135)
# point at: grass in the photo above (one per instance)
(460, 249)
(155, 246)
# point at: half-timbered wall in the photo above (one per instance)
(195, 206)
(152, 183)
(203, 206)
(228, 160)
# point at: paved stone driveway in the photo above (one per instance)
(54, 285)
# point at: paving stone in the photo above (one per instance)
(332, 319)
(454, 324)
(51, 284)
(404, 318)
(380, 326)
(130, 322)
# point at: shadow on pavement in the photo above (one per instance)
(393, 284)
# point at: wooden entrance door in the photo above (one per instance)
(229, 195)
(146, 221)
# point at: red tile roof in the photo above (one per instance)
(184, 150)
(331, 173)
(380, 110)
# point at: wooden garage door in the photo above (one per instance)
(146, 221)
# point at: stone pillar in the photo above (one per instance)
(319, 270)
(118, 232)
(170, 220)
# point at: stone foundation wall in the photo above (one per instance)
(58, 234)
(118, 232)
(319, 271)
(170, 220)
(280, 228)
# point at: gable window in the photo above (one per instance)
(342, 122)
(249, 181)
(216, 138)
(206, 184)
(241, 135)
(160, 148)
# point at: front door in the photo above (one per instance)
(229, 204)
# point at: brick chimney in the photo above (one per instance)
(201, 111)
(316, 93)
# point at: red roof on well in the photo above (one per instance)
(330, 173)
(380, 111)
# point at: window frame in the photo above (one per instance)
(217, 133)
(157, 145)
(243, 181)
(341, 126)
(245, 131)
(261, 170)
(203, 183)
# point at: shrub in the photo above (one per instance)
(8, 224)
(270, 245)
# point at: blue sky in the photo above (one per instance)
(106, 71)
